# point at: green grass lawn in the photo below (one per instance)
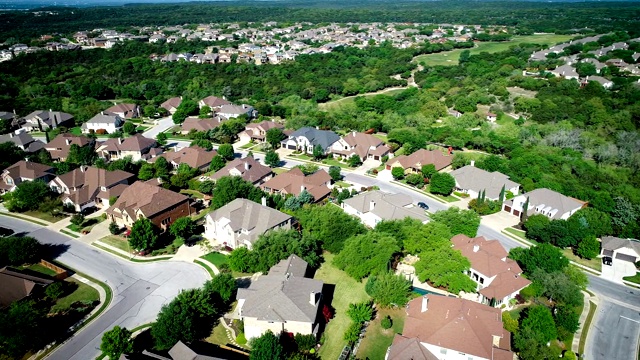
(141, 128)
(336, 104)
(586, 325)
(381, 137)
(634, 279)
(248, 145)
(517, 233)
(39, 269)
(595, 264)
(84, 292)
(334, 162)
(451, 57)
(218, 336)
(216, 258)
(43, 216)
(117, 242)
(279, 171)
(448, 198)
(76, 130)
(377, 340)
(347, 291)
(342, 184)
(87, 225)
(193, 193)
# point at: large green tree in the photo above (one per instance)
(274, 136)
(28, 195)
(442, 184)
(19, 250)
(366, 254)
(329, 225)
(388, 289)
(144, 235)
(183, 227)
(266, 347)
(543, 256)
(229, 188)
(459, 221)
(538, 319)
(116, 342)
(445, 267)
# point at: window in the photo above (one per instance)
(443, 351)
(481, 280)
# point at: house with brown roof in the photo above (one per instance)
(89, 186)
(293, 182)
(499, 278)
(194, 123)
(213, 102)
(60, 145)
(247, 168)
(143, 200)
(413, 163)
(25, 171)
(258, 131)
(124, 111)
(450, 329)
(136, 146)
(17, 285)
(171, 105)
(196, 157)
(366, 146)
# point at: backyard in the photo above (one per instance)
(347, 291)
(377, 340)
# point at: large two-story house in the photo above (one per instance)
(25, 171)
(136, 146)
(413, 163)
(258, 131)
(124, 111)
(472, 180)
(247, 168)
(372, 207)
(294, 182)
(22, 140)
(366, 146)
(103, 122)
(59, 147)
(307, 138)
(43, 120)
(196, 157)
(543, 201)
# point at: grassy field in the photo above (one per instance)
(43, 216)
(84, 292)
(347, 291)
(216, 258)
(595, 264)
(117, 242)
(451, 57)
(377, 340)
(218, 336)
(634, 279)
(332, 105)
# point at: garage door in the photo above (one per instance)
(624, 257)
(291, 147)
(507, 208)
(516, 212)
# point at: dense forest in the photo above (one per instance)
(528, 17)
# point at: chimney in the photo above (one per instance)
(473, 163)
(476, 248)
(372, 205)
(312, 298)
(425, 302)
(83, 168)
(264, 201)
(302, 188)
(68, 141)
(119, 140)
(246, 165)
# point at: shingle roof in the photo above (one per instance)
(128, 110)
(23, 140)
(235, 109)
(104, 119)
(249, 216)
(423, 157)
(51, 118)
(248, 168)
(214, 101)
(386, 206)
(149, 199)
(197, 124)
(473, 178)
(456, 324)
(89, 180)
(324, 138)
(404, 348)
(293, 182)
(17, 285)
(551, 200)
(614, 243)
(136, 142)
(196, 157)
(60, 145)
(28, 170)
(364, 144)
(174, 102)
(180, 351)
(281, 297)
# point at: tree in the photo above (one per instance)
(352, 334)
(147, 171)
(217, 163)
(224, 285)
(335, 173)
(77, 219)
(428, 170)
(354, 161)
(459, 221)
(21, 328)
(567, 321)
(397, 173)
(329, 225)
(442, 184)
(205, 112)
(536, 226)
(510, 324)
(366, 254)
(206, 187)
(588, 248)
(162, 168)
(183, 227)
(161, 138)
(54, 290)
(428, 237)
(415, 179)
(183, 174)
(386, 322)
(144, 234)
(591, 221)
(272, 159)
(388, 289)
(28, 195)
(81, 155)
(186, 108)
(229, 188)
(539, 319)
(318, 152)
(266, 347)
(114, 228)
(241, 259)
(226, 151)
(149, 111)
(116, 342)
(203, 143)
(274, 136)
(360, 312)
(11, 154)
(129, 128)
(445, 267)
(274, 246)
(543, 256)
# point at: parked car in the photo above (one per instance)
(607, 260)
(423, 206)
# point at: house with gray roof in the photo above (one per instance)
(306, 138)
(103, 122)
(472, 180)
(285, 300)
(566, 71)
(371, 207)
(621, 249)
(23, 140)
(241, 222)
(42, 120)
(545, 202)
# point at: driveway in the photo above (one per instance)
(618, 270)
(139, 289)
(163, 125)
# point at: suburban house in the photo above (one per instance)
(196, 157)
(366, 146)
(42, 120)
(472, 180)
(23, 140)
(89, 186)
(172, 104)
(413, 163)
(544, 201)
(103, 123)
(241, 222)
(371, 207)
(248, 168)
(125, 111)
(451, 329)
(136, 146)
(306, 138)
(181, 351)
(491, 117)
(231, 111)
(621, 249)
(566, 71)
(143, 200)
(498, 277)
(285, 300)
(17, 285)
(25, 171)
(59, 147)
(258, 131)
(606, 83)
(194, 123)
(213, 102)
(294, 181)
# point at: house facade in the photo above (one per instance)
(59, 147)
(621, 249)
(294, 182)
(136, 146)
(366, 146)
(543, 201)
(213, 102)
(307, 138)
(258, 131)
(194, 123)
(472, 180)
(171, 105)
(241, 222)
(231, 111)
(413, 163)
(42, 120)
(247, 168)
(103, 122)
(372, 207)
(23, 171)
(124, 111)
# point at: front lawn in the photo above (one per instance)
(43, 216)
(117, 242)
(377, 340)
(347, 291)
(342, 184)
(83, 293)
(218, 336)
(595, 263)
(87, 225)
(334, 162)
(517, 233)
(39, 269)
(634, 279)
(216, 258)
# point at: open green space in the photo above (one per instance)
(634, 279)
(334, 104)
(216, 258)
(192, 193)
(83, 293)
(595, 264)
(43, 216)
(117, 242)
(377, 340)
(39, 269)
(517, 233)
(218, 336)
(451, 57)
(347, 291)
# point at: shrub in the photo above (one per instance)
(386, 322)
(397, 173)
(415, 179)
(54, 290)
(241, 339)
(353, 333)
(114, 229)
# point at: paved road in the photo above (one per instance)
(163, 124)
(139, 289)
(615, 333)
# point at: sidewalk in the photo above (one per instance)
(575, 345)
(131, 257)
